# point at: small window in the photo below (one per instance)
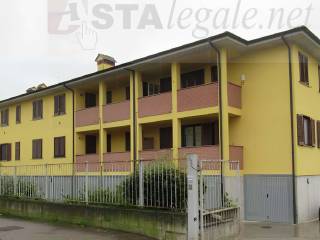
(90, 100)
(128, 142)
(109, 143)
(191, 79)
(306, 131)
(166, 138)
(148, 143)
(5, 117)
(18, 114)
(60, 105)
(128, 93)
(150, 89)
(5, 152)
(214, 74)
(91, 144)
(59, 147)
(37, 149)
(37, 110)
(109, 97)
(17, 151)
(304, 71)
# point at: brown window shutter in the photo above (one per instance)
(300, 130)
(56, 105)
(318, 133)
(62, 104)
(9, 152)
(313, 132)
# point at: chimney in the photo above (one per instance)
(104, 62)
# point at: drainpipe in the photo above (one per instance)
(220, 116)
(73, 138)
(134, 118)
(293, 158)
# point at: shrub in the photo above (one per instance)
(163, 183)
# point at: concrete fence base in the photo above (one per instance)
(152, 223)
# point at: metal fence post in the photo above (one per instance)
(46, 177)
(15, 181)
(141, 184)
(86, 184)
(193, 197)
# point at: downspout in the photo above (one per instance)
(220, 117)
(133, 98)
(73, 139)
(293, 158)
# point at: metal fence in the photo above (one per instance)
(150, 184)
(220, 196)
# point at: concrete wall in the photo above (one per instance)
(155, 224)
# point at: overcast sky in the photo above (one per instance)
(31, 53)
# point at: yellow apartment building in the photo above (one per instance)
(221, 98)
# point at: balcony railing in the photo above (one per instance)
(236, 154)
(117, 162)
(86, 117)
(155, 105)
(203, 152)
(196, 97)
(234, 95)
(163, 154)
(92, 160)
(116, 112)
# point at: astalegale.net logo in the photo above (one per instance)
(86, 19)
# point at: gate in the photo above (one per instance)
(218, 195)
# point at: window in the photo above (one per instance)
(306, 131)
(60, 105)
(192, 78)
(91, 144)
(166, 138)
(165, 85)
(200, 135)
(148, 143)
(304, 72)
(109, 97)
(109, 143)
(18, 114)
(90, 100)
(128, 142)
(5, 152)
(37, 109)
(37, 149)
(214, 74)
(128, 93)
(5, 117)
(59, 147)
(17, 151)
(150, 89)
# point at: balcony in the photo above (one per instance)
(196, 97)
(117, 162)
(149, 155)
(116, 112)
(91, 159)
(155, 105)
(86, 117)
(203, 152)
(234, 95)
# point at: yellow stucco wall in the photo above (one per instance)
(264, 127)
(306, 102)
(49, 127)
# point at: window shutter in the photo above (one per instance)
(313, 132)
(63, 104)
(41, 109)
(300, 130)
(9, 152)
(56, 105)
(318, 133)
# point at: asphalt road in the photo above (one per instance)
(13, 229)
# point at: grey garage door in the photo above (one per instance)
(268, 198)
